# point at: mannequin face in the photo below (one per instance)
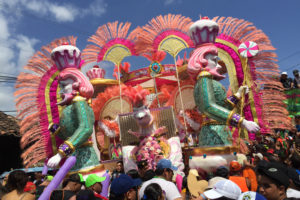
(213, 67)
(66, 89)
(66, 86)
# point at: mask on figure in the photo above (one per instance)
(142, 116)
(66, 91)
(213, 67)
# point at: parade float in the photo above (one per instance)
(178, 110)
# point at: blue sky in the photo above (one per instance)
(26, 25)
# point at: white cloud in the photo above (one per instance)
(169, 2)
(7, 98)
(4, 33)
(16, 48)
(97, 8)
(25, 46)
(63, 13)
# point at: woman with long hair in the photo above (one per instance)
(153, 192)
(16, 183)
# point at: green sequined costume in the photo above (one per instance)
(76, 123)
(211, 100)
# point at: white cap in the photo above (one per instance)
(259, 155)
(224, 188)
(284, 73)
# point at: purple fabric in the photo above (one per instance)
(62, 172)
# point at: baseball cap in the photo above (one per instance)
(294, 176)
(235, 166)
(78, 178)
(165, 164)
(214, 180)
(48, 178)
(92, 179)
(123, 184)
(251, 196)
(259, 155)
(284, 73)
(276, 173)
(224, 188)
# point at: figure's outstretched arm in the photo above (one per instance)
(206, 102)
(81, 135)
(86, 120)
(206, 99)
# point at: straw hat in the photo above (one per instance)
(195, 187)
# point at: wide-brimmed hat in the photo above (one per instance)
(195, 186)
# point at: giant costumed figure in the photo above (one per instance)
(209, 94)
(77, 118)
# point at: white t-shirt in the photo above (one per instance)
(291, 193)
(169, 188)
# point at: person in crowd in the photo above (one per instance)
(286, 82)
(294, 186)
(133, 173)
(3, 191)
(15, 185)
(124, 188)
(43, 185)
(38, 176)
(224, 190)
(273, 182)
(142, 167)
(222, 171)
(71, 186)
(236, 176)
(85, 195)
(118, 171)
(93, 182)
(30, 188)
(149, 174)
(257, 158)
(153, 192)
(164, 174)
(296, 81)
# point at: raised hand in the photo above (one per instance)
(239, 93)
(250, 126)
(54, 160)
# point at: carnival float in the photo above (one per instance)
(180, 110)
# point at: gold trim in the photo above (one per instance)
(229, 118)
(62, 153)
(204, 74)
(78, 98)
(199, 151)
(211, 122)
(70, 145)
(102, 81)
(99, 167)
(86, 144)
(240, 122)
